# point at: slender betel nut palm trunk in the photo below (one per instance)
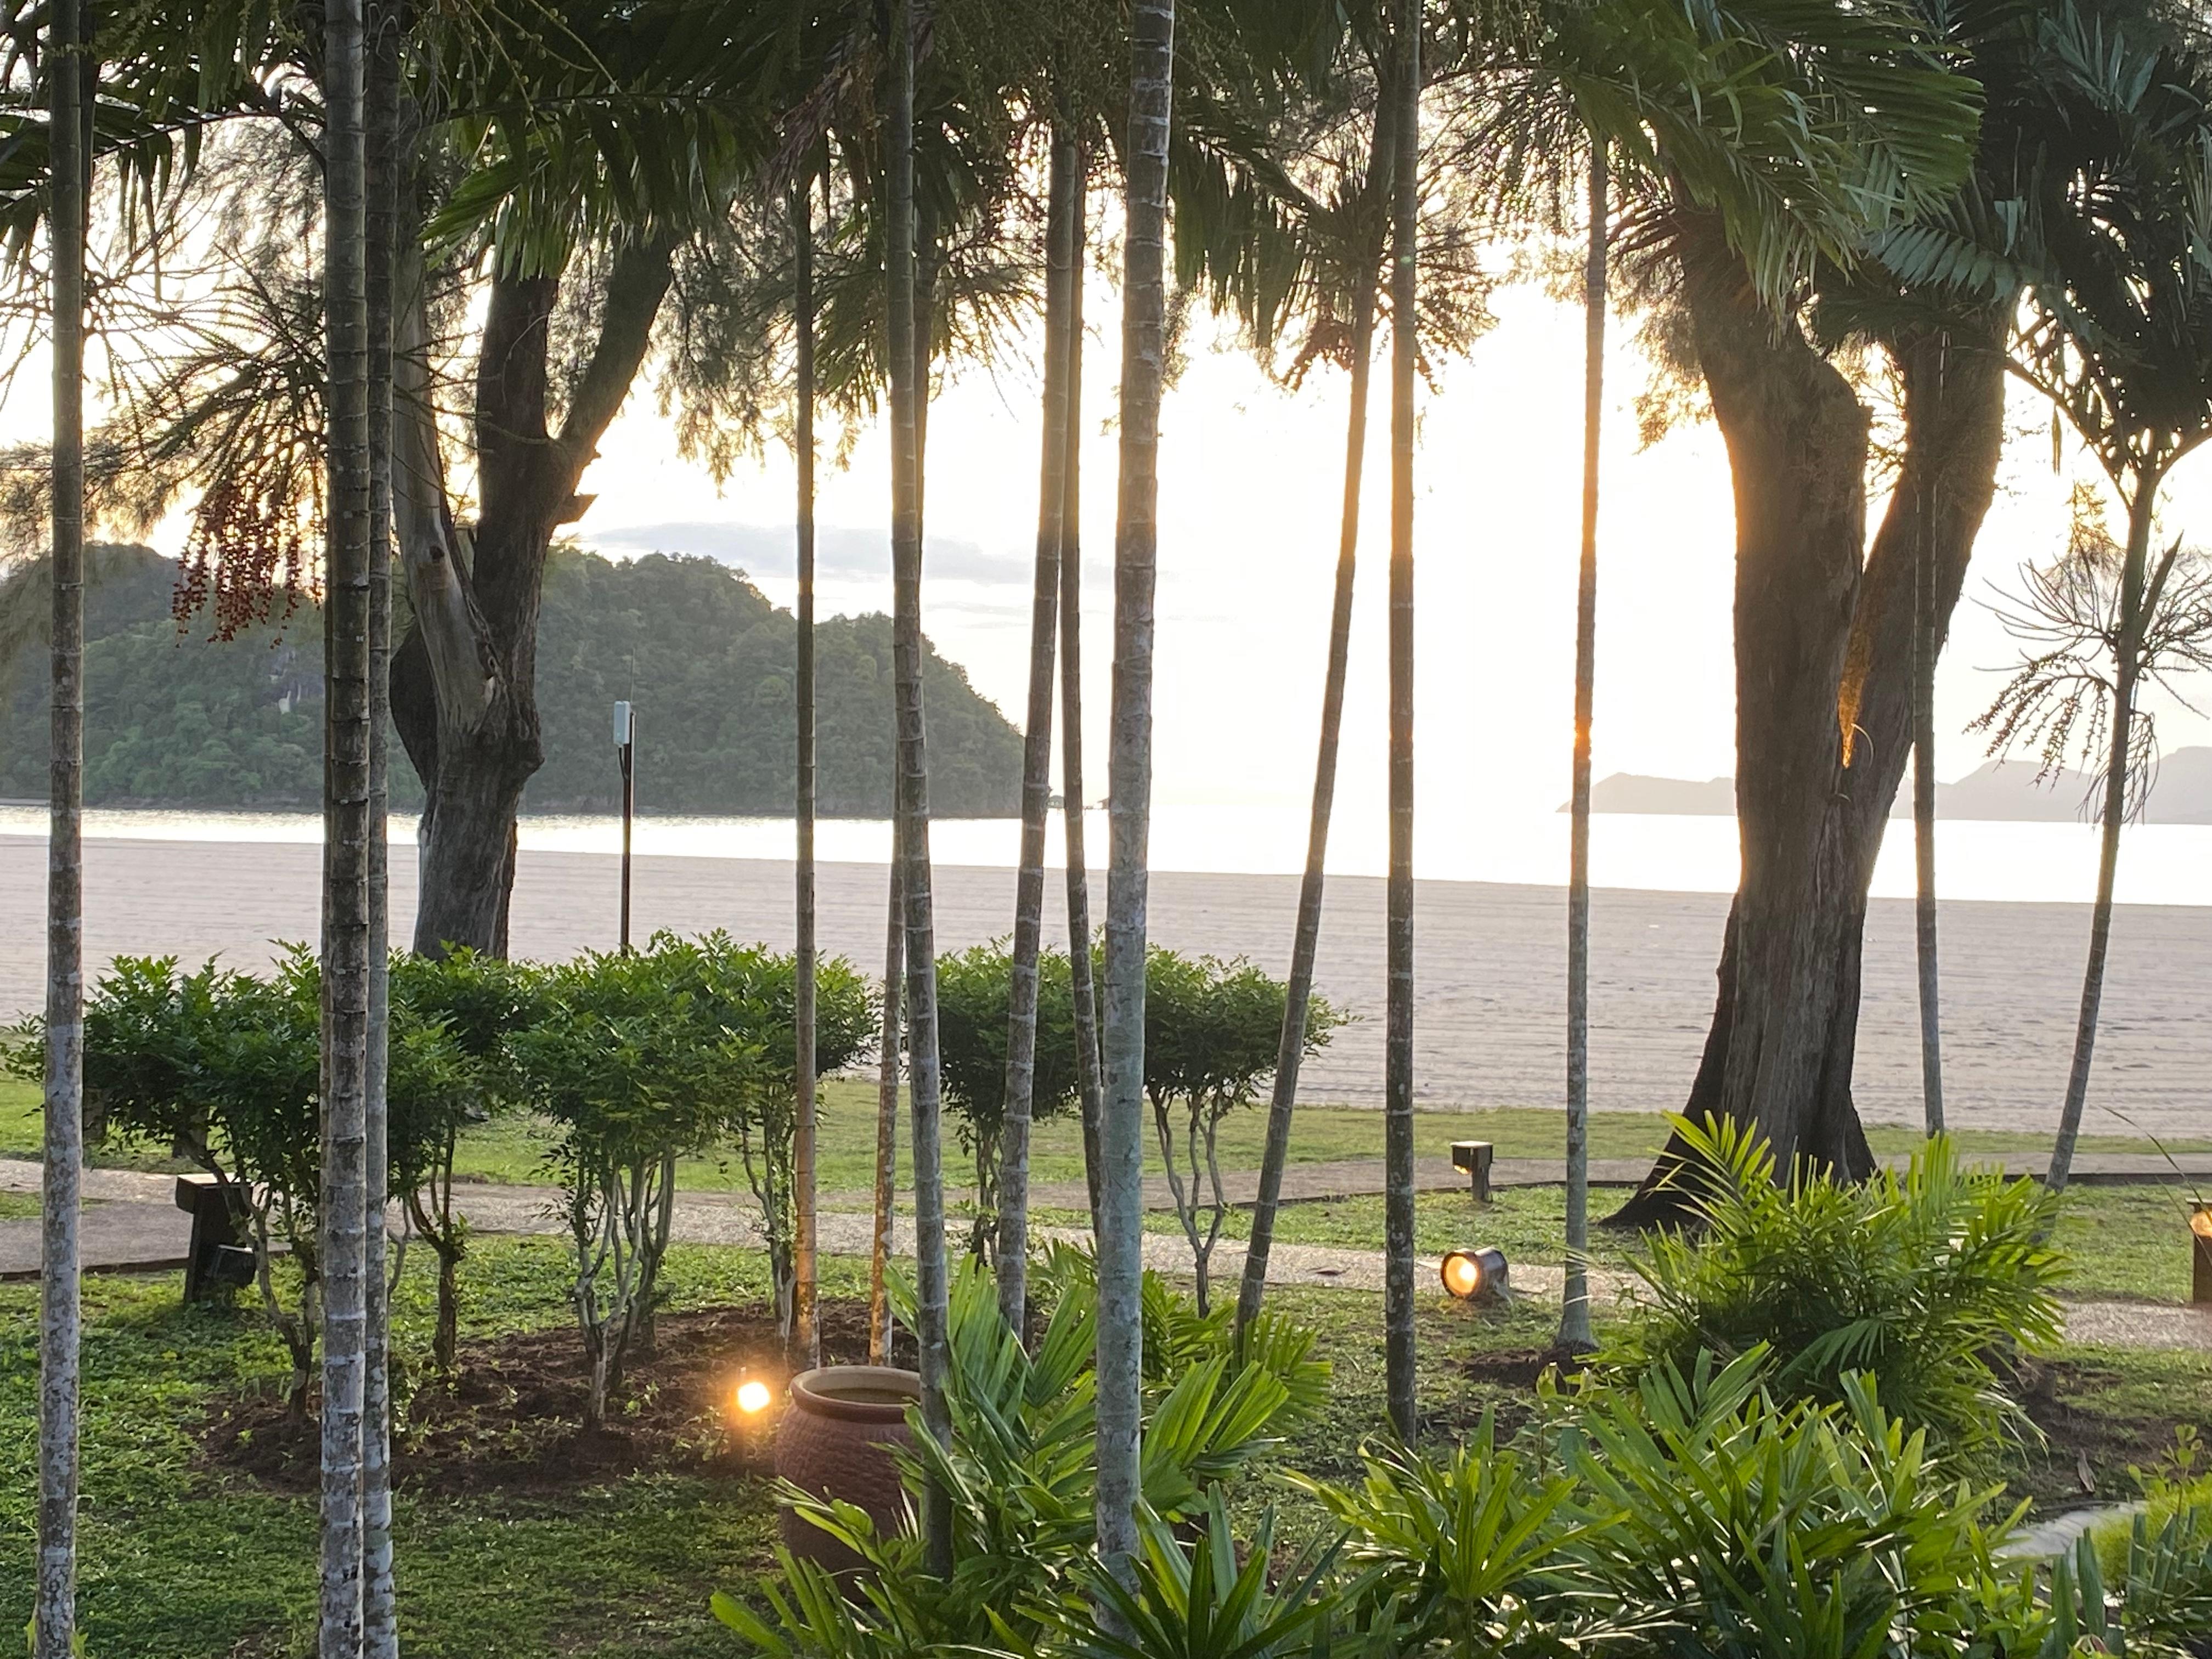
(1927, 625)
(1398, 948)
(1082, 988)
(887, 1091)
(932, 1284)
(2126, 672)
(1305, 940)
(345, 829)
(1129, 772)
(53, 1634)
(381, 151)
(806, 1337)
(1575, 1335)
(1036, 749)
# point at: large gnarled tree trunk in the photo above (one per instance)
(1824, 640)
(464, 682)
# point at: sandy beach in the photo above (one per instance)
(1490, 967)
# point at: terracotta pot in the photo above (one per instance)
(835, 1440)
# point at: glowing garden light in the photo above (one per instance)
(753, 1396)
(1470, 1274)
(2200, 1240)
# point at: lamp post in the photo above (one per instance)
(626, 756)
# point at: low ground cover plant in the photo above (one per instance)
(1923, 1282)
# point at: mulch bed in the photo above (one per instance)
(513, 1419)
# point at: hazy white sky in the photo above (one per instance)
(1251, 478)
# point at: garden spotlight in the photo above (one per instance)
(1469, 1274)
(753, 1396)
(2200, 1229)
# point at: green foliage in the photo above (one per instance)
(1477, 1549)
(1749, 1527)
(1200, 1603)
(1213, 1034)
(176, 718)
(1019, 1472)
(1918, 1281)
(974, 997)
(745, 994)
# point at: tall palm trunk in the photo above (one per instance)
(379, 1610)
(887, 1092)
(2127, 672)
(60, 1313)
(1926, 626)
(1398, 948)
(1081, 989)
(345, 829)
(1305, 940)
(1574, 1333)
(931, 1282)
(1036, 751)
(1129, 772)
(806, 1335)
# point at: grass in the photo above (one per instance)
(2126, 1242)
(182, 1557)
(510, 1150)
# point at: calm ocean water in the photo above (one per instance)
(2160, 864)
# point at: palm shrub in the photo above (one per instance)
(745, 995)
(620, 1065)
(1477, 1551)
(1749, 1525)
(1213, 1598)
(1019, 1472)
(1919, 1282)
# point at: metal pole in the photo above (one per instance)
(626, 754)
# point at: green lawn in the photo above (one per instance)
(182, 1558)
(510, 1150)
(2124, 1241)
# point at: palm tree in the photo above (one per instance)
(1061, 276)
(1081, 989)
(1575, 1335)
(931, 1285)
(887, 1093)
(382, 166)
(1398, 948)
(345, 819)
(806, 1335)
(1368, 234)
(1129, 767)
(1926, 643)
(60, 1315)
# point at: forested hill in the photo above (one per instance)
(174, 719)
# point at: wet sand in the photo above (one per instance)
(1490, 967)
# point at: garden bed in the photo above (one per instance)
(513, 1420)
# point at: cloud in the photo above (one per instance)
(840, 552)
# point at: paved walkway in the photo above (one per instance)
(131, 1225)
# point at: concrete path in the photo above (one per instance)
(132, 1225)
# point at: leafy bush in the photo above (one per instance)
(451, 1019)
(221, 1069)
(975, 1000)
(1920, 1282)
(745, 994)
(1212, 1032)
(618, 1064)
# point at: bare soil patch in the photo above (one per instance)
(513, 1419)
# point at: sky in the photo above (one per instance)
(1250, 485)
(1250, 490)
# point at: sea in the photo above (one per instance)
(2160, 864)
